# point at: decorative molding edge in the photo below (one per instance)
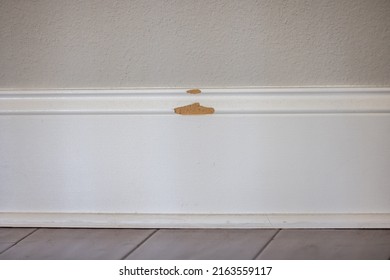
(224, 101)
(118, 220)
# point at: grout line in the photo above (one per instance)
(266, 244)
(140, 244)
(19, 241)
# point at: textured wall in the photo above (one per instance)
(187, 43)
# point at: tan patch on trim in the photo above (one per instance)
(194, 91)
(194, 109)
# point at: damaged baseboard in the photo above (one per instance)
(319, 157)
(224, 101)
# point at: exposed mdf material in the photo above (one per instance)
(194, 91)
(77, 244)
(329, 244)
(194, 109)
(203, 244)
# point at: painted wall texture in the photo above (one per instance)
(187, 43)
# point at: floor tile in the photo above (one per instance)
(5, 246)
(329, 244)
(203, 244)
(13, 234)
(77, 244)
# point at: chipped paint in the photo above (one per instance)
(194, 109)
(194, 91)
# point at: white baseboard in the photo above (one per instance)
(225, 101)
(98, 220)
(294, 152)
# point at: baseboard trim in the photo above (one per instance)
(224, 101)
(328, 156)
(105, 220)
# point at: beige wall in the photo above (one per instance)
(176, 43)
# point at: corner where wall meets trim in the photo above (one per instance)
(224, 101)
(107, 220)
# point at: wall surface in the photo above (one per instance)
(176, 43)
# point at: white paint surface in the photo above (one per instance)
(175, 164)
(138, 162)
(186, 43)
(224, 101)
(117, 220)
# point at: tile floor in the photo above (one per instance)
(65, 243)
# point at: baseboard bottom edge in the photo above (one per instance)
(115, 220)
